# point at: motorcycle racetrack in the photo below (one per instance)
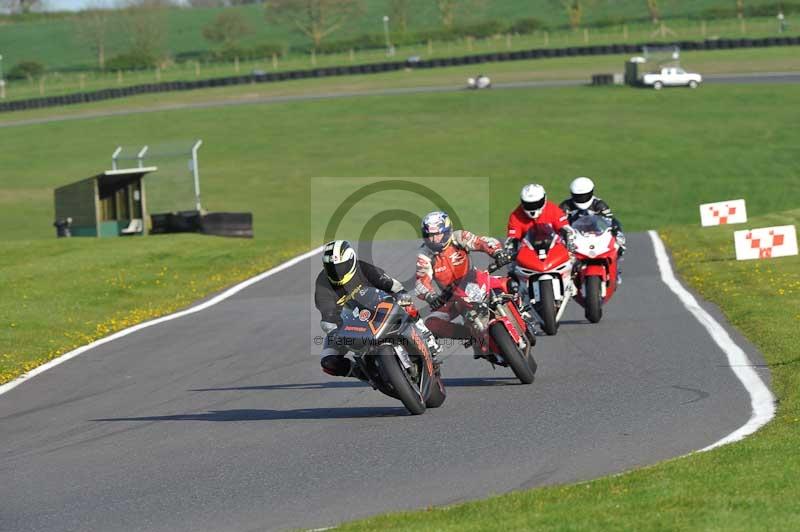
(222, 420)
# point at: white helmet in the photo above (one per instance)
(532, 198)
(582, 189)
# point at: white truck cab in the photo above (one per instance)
(672, 77)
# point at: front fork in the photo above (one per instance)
(560, 295)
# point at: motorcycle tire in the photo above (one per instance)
(511, 353)
(593, 309)
(438, 394)
(394, 373)
(547, 308)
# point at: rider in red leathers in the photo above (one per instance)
(442, 262)
(534, 209)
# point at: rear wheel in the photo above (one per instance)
(593, 309)
(511, 353)
(547, 307)
(658, 85)
(394, 373)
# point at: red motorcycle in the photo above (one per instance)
(493, 316)
(595, 276)
(543, 268)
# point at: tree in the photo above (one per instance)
(92, 27)
(655, 13)
(398, 13)
(574, 10)
(20, 6)
(447, 11)
(227, 28)
(147, 28)
(450, 10)
(315, 19)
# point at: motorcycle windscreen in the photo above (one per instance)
(541, 236)
(592, 224)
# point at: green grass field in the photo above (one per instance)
(53, 40)
(779, 59)
(654, 155)
(59, 82)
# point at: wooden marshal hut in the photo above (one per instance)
(105, 205)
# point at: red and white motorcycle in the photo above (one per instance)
(543, 268)
(596, 251)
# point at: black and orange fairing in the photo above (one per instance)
(382, 311)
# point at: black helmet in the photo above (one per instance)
(339, 260)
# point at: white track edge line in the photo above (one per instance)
(761, 399)
(125, 332)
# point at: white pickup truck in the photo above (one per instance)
(672, 77)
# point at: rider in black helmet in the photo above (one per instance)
(342, 276)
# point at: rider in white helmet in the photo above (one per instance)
(582, 202)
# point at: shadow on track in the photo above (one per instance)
(465, 382)
(273, 415)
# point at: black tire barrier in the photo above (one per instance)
(272, 77)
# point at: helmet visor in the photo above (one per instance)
(533, 208)
(581, 199)
(340, 272)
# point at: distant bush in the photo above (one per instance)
(527, 25)
(262, 51)
(132, 60)
(26, 70)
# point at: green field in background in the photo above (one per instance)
(53, 42)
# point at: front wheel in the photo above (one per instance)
(547, 307)
(593, 309)
(393, 373)
(693, 84)
(437, 394)
(511, 353)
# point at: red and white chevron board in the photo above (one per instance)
(723, 212)
(766, 242)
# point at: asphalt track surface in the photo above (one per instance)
(760, 77)
(222, 420)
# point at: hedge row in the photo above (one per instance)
(170, 86)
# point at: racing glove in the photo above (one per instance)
(404, 299)
(436, 301)
(502, 257)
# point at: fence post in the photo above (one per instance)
(508, 41)
(703, 29)
(236, 64)
(313, 57)
(158, 73)
(197, 69)
(119, 77)
(274, 61)
(586, 35)
(352, 55)
(547, 38)
(469, 43)
(430, 47)
(624, 32)
(41, 86)
(82, 80)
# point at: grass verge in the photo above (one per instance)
(749, 485)
(754, 60)
(59, 295)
